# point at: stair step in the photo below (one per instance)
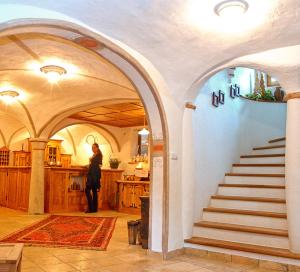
(278, 252)
(255, 175)
(246, 212)
(264, 186)
(246, 216)
(267, 191)
(277, 140)
(234, 227)
(243, 198)
(258, 168)
(276, 205)
(258, 165)
(262, 159)
(263, 156)
(255, 179)
(268, 147)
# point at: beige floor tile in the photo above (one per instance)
(70, 258)
(119, 256)
(36, 269)
(58, 268)
(46, 260)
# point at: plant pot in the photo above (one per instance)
(279, 94)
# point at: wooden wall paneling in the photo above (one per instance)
(129, 196)
(3, 187)
(58, 198)
(76, 196)
(23, 187)
(47, 191)
(108, 191)
(12, 195)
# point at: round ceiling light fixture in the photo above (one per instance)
(53, 72)
(9, 96)
(230, 8)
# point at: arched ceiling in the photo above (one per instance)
(184, 45)
(90, 77)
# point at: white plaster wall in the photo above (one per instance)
(127, 137)
(222, 134)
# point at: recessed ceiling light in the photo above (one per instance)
(53, 72)
(9, 96)
(231, 8)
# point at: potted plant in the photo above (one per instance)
(114, 163)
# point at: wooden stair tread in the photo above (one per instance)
(278, 252)
(277, 140)
(248, 198)
(260, 186)
(234, 227)
(246, 212)
(268, 147)
(255, 175)
(263, 156)
(258, 165)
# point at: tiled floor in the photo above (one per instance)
(118, 257)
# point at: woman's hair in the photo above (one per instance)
(98, 148)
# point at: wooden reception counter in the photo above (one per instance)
(64, 188)
(129, 193)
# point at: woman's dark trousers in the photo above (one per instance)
(92, 200)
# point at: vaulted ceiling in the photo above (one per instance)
(90, 78)
(184, 39)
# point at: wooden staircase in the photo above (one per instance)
(248, 212)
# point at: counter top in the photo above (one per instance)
(61, 168)
(133, 181)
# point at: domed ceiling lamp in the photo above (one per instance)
(231, 8)
(53, 72)
(144, 131)
(9, 96)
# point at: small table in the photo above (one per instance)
(11, 257)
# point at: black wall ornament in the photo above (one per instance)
(234, 91)
(221, 97)
(215, 100)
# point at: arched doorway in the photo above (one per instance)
(135, 74)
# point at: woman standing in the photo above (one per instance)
(93, 179)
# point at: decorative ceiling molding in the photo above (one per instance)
(79, 122)
(24, 47)
(13, 135)
(72, 141)
(3, 138)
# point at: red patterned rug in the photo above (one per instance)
(67, 231)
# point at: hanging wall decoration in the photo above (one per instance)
(221, 97)
(234, 91)
(215, 100)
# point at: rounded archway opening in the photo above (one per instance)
(231, 118)
(134, 83)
